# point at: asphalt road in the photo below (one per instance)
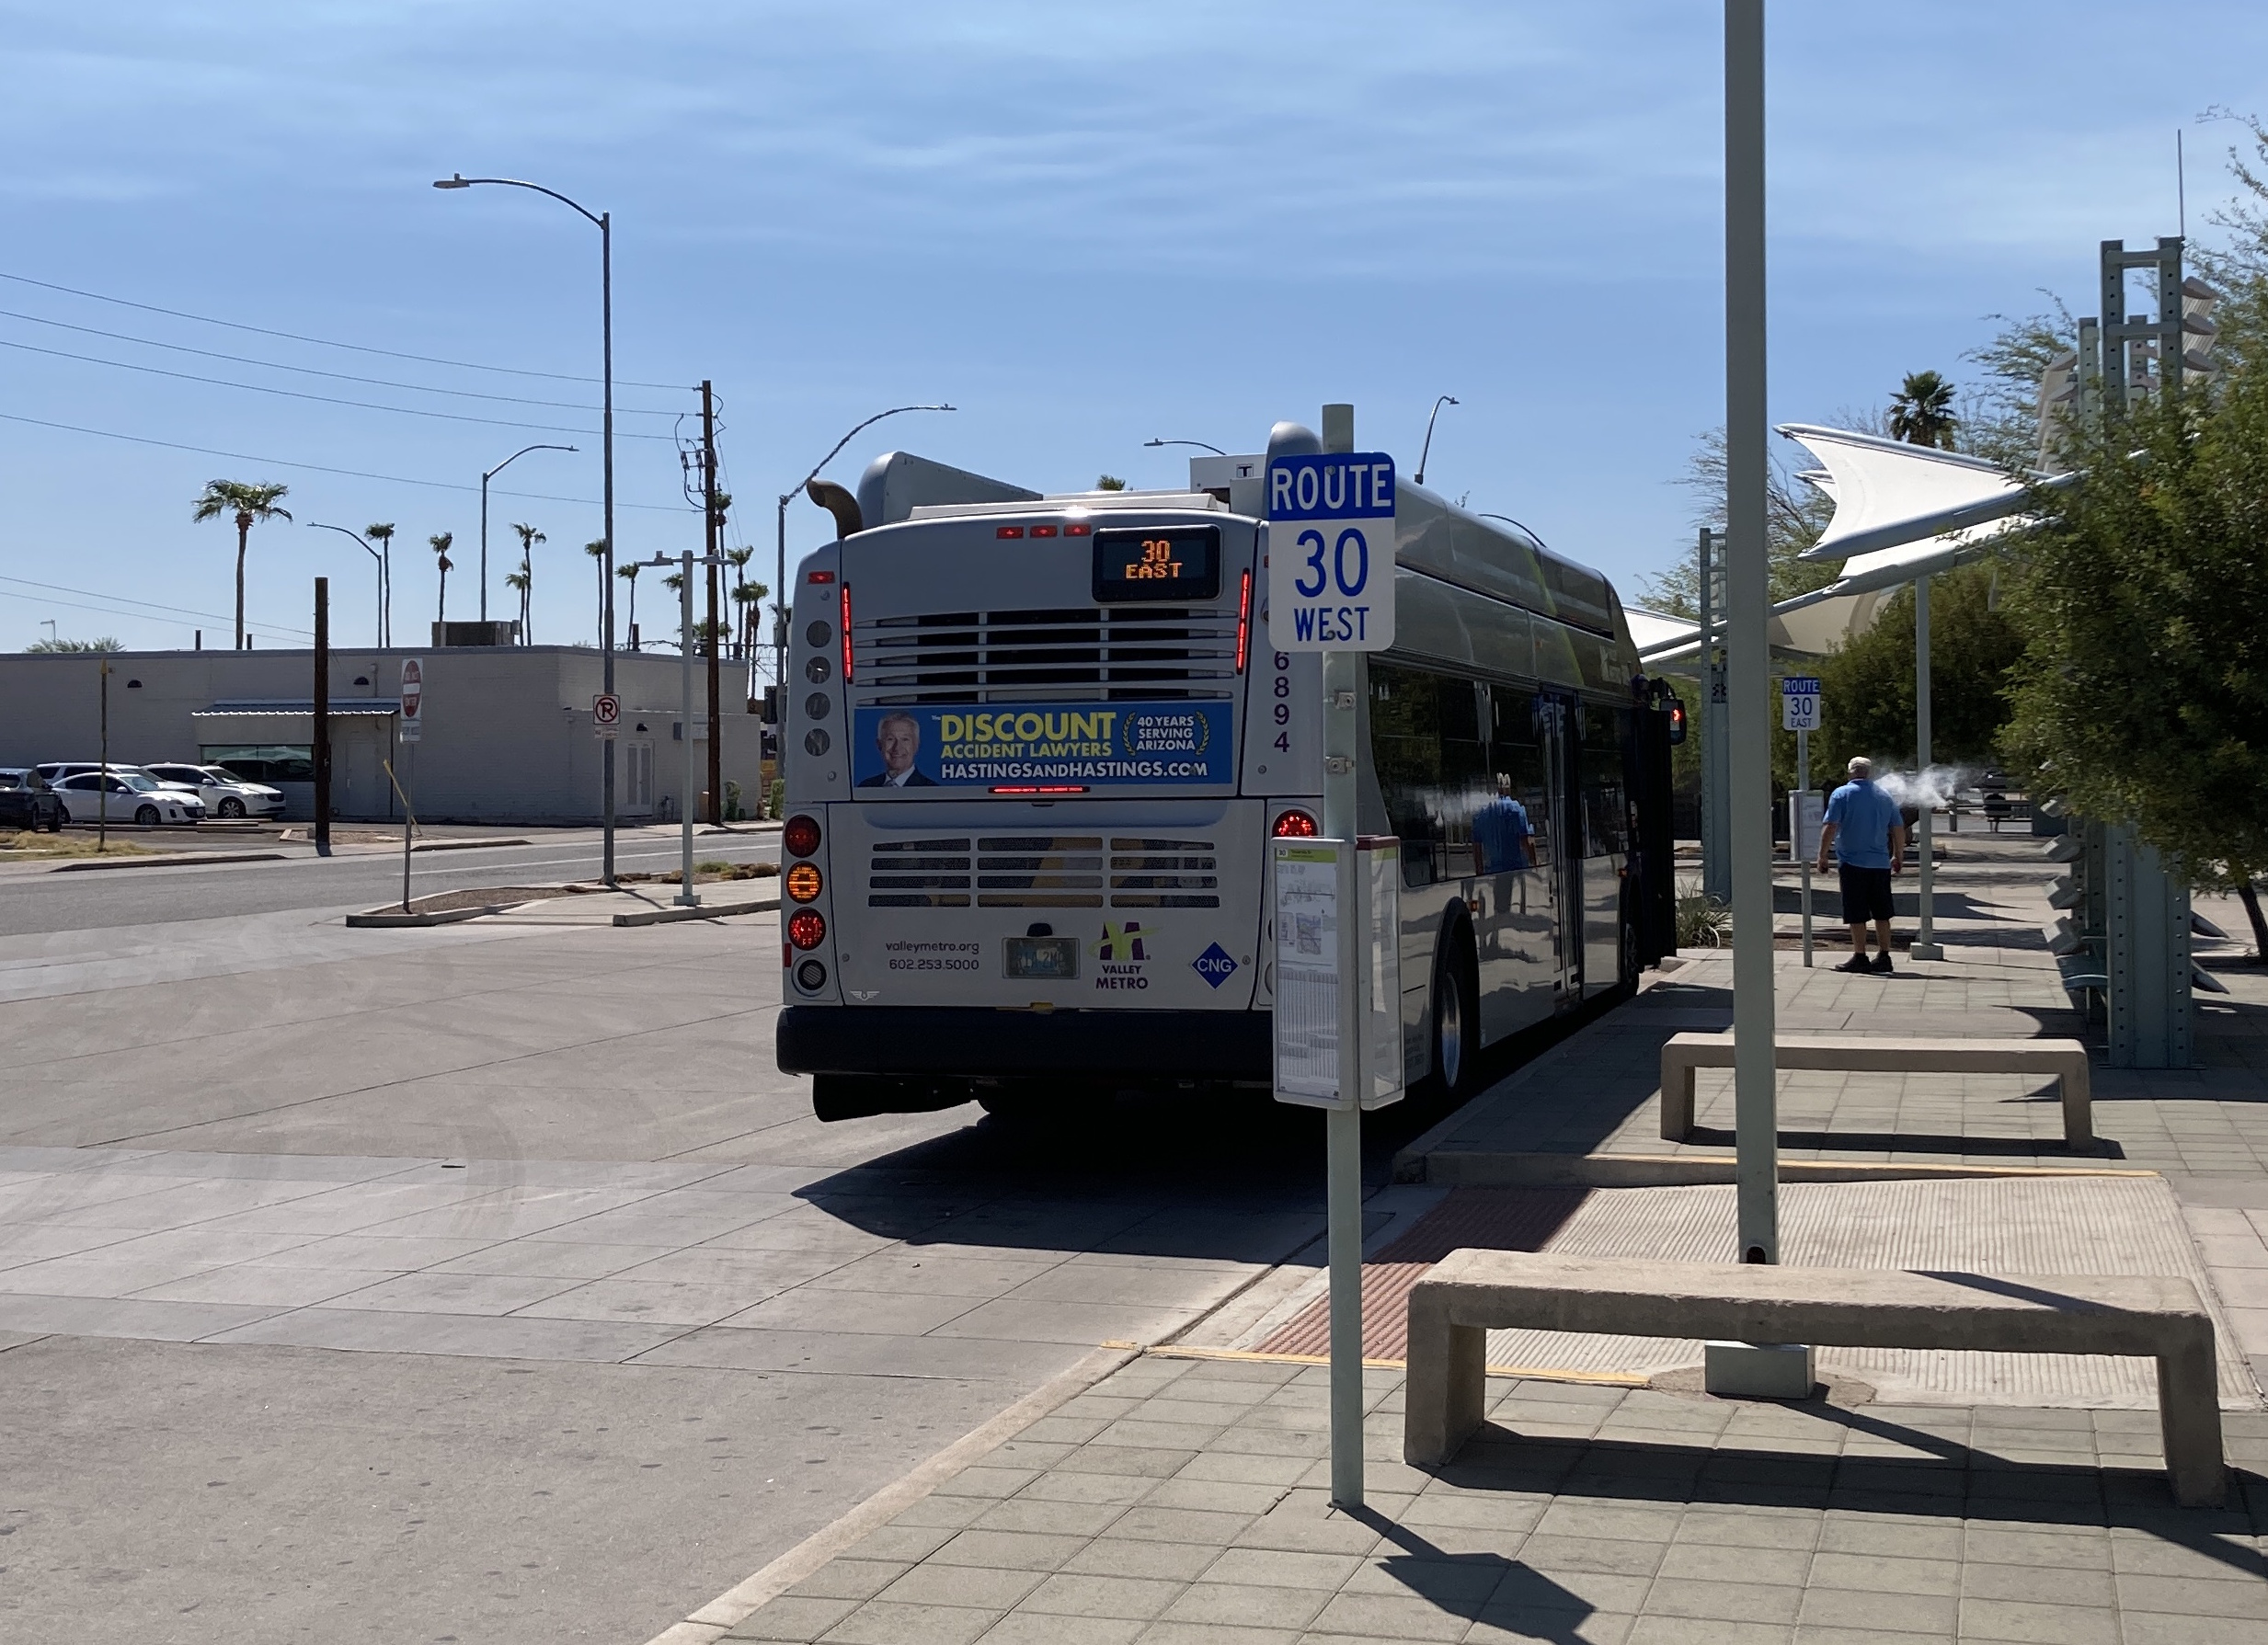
(33, 897)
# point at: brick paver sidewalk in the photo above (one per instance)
(1185, 1499)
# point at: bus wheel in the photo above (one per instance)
(1456, 1019)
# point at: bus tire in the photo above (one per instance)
(1455, 1015)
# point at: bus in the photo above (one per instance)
(1038, 745)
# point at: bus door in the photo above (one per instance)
(1559, 728)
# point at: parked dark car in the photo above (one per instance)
(27, 803)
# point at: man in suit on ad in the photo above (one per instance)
(898, 737)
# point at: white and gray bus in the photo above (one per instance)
(1037, 745)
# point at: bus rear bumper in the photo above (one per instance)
(954, 1042)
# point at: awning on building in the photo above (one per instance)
(240, 707)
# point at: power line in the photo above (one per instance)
(352, 474)
(293, 394)
(276, 365)
(294, 337)
(170, 613)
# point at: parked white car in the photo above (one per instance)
(134, 797)
(224, 793)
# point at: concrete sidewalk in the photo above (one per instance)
(1182, 1501)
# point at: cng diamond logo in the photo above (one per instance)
(1216, 966)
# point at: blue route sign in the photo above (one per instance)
(1330, 552)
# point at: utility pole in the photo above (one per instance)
(102, 789)
(713, 544)
(323, 716)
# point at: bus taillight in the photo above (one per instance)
(801, 836)
(804, 883)
(846, 631)
(1243, 623)
(807, 929)
(1295, 824)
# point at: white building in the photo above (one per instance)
(508, 730)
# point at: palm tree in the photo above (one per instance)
(1921, 411)
(629, 574)
(529, 538)
(250, 505)
(597, 551)
(748, 597)
(737, 558)
(441, 542)
(520, 580)
(384, 536)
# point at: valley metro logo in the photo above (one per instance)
(1122, 944)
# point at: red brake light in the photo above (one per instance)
(819, 577)
(1243, 623)
(1039, 788)
(801, 836)
(1078, 528)
(846, 634)
(1009, 531)
(1043, 531)
(1295, 824)
(807, 928)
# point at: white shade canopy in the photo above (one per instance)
(1889, 494)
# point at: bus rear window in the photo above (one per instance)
(1181, 563)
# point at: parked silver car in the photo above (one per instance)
(134, 797)
(224, 793)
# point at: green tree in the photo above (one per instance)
(1797, 513)
(103, 644)
(742, 633)
(1867, 686)
(521, 581)
(597, 551)
(1921, 411)
(249, 505)
(2144, 685)
(1109, 483)
(440, 542)
(529, 538)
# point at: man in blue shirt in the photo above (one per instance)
(1867, 831)
(1500, 836)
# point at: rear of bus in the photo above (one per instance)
(1026, 830)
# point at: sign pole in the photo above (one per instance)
(687, 897)
(1330, 583)
(1795, 835)
(411, 720)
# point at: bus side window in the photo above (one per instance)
(1519, 771)
(1605, 819)
(1432, 765)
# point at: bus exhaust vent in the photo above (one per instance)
(918, 874)
(1040, 871)
(1075, 655)
(1163, 874)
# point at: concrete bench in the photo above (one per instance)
(1471, 1292)
(1861, 1052)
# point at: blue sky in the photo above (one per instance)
(1084, 225)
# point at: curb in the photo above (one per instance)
(1473, 1169)
(172, 860)
(735, 1605)
(462, 845)
(395, 919)
(705, 911)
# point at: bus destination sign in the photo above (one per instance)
(1330, 552)
(1045, 746)
(1162, 563)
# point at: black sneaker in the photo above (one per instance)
(1855, 964)
(1881, 967)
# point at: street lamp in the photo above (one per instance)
(1215, 451)
(603, 222)
(487, 476)
(1419, 477)
(779, 594)
(363, 543)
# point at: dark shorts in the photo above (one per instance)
(1866, 895)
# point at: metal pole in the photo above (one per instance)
(779, 627)
(1343, 1165)
(1925, 943)
(102, 789)
(606, 332)
(1746, 568)
(1802, 852)
(686, 898)
(409, 817)
(323, 716)
(712, 542)
(484, 545)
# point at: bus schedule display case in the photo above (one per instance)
(1040, 751)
